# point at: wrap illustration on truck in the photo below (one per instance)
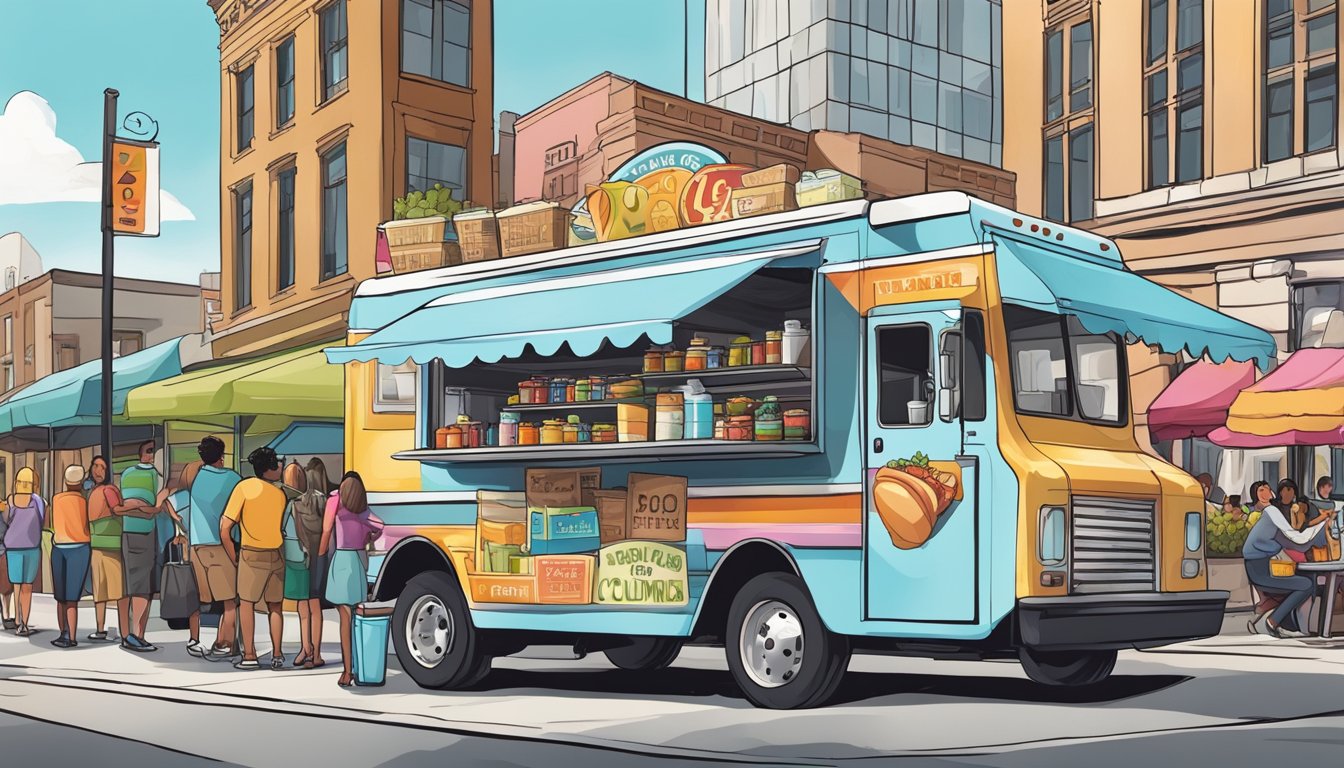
(910, 495)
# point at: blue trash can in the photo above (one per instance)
(370, 643)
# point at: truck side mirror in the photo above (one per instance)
(949, 375)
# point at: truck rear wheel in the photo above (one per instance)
(780, 653)
(1067, 668)
(645, 654)
(433, 635)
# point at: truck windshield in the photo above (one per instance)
(1061, 370)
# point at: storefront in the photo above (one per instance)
(249, 404)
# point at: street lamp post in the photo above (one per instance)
(109, 135)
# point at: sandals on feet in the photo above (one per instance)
(277, 662)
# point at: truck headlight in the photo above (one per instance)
(1050, 547)
(1194, 531)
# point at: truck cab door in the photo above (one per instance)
(913, 571)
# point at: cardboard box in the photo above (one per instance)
(565, 579)
(500, 557)
(656, 507)
(414, 258)
(478, 234)
(561, 487)
(768, 198)
(782, 173)
(532, 228)
(501, 520)
(641, 573)
(562, 530)
(827, 186)
(502, 588)
(612, 515)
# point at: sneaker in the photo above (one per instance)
(98, 637)
(220, 654)
(194, 648)
(133, 643)
(1291, 633)
(277, 662)
(247, 664)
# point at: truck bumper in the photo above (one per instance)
(1101, 622)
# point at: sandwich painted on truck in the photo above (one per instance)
(962, 478)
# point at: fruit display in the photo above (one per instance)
(432, 202)
(909, 495)
(1226, 534)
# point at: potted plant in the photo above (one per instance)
(418, 235)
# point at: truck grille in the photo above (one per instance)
(1113, 546)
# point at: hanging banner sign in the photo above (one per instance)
(135, 188)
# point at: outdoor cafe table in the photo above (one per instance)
(1332, 571)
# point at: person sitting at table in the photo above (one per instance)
(1270, 535)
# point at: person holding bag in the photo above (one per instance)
(179, 596)
(353, 527)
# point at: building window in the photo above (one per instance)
(396, 388)
(284, 82)
(242, 247)
(127, 342)
(334, 35)
(429, 163)
(335, 256)
(1299, 63)
(1069, 137)
(1174, 91)
(284, 231)
(67, 350)
(436, 40)
(246, 108)
(1080, 173)
(1318, 315)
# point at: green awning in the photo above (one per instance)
(298, 383)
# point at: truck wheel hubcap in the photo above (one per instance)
(429, 631)
(772, 644)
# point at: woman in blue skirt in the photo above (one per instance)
(354, 527)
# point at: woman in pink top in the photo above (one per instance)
(354, 527)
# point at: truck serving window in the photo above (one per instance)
(905, 359)
(1061, 370)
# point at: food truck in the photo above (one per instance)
(897, 427)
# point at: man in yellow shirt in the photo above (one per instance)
(257, 507)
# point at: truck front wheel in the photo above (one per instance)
(1067, 668)
(778, 649)
(433, 634)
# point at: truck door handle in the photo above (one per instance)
(877, 445)
(971, 433)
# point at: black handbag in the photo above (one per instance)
(179, 597)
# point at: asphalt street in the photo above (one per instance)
(1234, 699)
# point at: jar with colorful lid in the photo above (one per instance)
(757, 353)
(774, 347)
(653, 361)
(529, 434)
(769, 428)
(508, 429)
(739, 353)
(559, 390)
(571, 430)
(768, 408)
(552, 432)
(716, 357)
(797, 424)
(583, 390)
(697, 359)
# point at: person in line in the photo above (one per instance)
(1270, 535)
(140, 487)
(354, 527)
(23, 544)
(216, 575)
(6, 588)
(297, 560)
(69, 554)
(97, 475)
(309, 513)
(177, 506)
(106, 563)
(257, 508)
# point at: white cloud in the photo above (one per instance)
(36, 166)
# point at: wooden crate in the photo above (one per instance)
(532, 231)
(413, 258)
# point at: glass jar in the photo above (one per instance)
(653, 361)
(674, 361)
(797, 424)
(769, 428)
(508, 429)
(716, 357)
(559, 390)
(757, 353)
(697, 359)
(552, 432)
(774, 347)
(442, 435)
(529, 434)
(739, 353)
(583, 390)
(571, 433)
(599, 388)
(739, 428)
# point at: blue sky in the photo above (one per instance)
(542, 48)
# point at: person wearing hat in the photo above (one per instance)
(70, 554)
(23, 541)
